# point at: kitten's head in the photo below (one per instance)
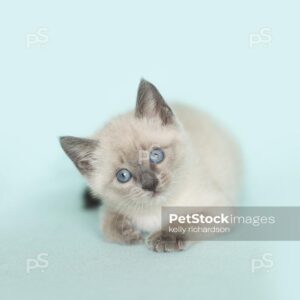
(136, 161)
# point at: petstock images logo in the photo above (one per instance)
(233, 223)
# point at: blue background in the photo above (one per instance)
(88, 69)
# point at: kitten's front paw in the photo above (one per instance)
(128, 234)
(163, 241)
(119, 229)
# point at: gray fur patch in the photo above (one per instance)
(148, 180)
(80, 151)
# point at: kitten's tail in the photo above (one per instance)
(89, 200)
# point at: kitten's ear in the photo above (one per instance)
(81, 152)
(150, 104)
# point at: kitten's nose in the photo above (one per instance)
(148, 180)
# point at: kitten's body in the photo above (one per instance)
(201, 167)
(211, 177)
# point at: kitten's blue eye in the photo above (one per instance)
(157, 156)
(123, 175)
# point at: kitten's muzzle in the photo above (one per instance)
(148, 180)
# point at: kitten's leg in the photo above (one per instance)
(163, 241)
(119, 229)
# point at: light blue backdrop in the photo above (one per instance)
(66, 67)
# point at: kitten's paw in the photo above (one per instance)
(163, 241)
(128, 234)
(131, 236)
(120, 229)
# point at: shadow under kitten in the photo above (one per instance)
(89, 200)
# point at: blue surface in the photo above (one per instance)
(196, 52)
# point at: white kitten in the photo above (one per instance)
(152, 157)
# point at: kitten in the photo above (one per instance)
(152, 157)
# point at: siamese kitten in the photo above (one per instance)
(151, 157)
